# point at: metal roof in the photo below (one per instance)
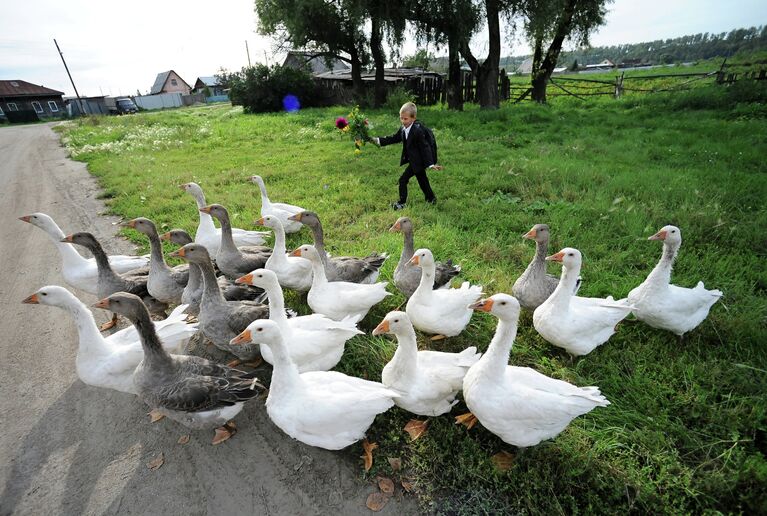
(208, 81)
(18, 88)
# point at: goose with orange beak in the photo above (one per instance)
(518, 404)
(235, 261)
(109, 362)
(577, 324)
(293, 272)
(326, 409)
(442, 312)
(80, 272)
(406, 277)
(535, 285)
(315, 342)
(665, 306)
(209, 235)
(428, 381)
(338, 299)
(278, 210)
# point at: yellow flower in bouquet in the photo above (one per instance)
(357, 127)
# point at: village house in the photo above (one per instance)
(22, 101)
(170, 82)
(214, 88)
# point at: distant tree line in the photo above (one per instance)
(693, 47)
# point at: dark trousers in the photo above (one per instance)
(423, 182)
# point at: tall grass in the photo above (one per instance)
(686, 429)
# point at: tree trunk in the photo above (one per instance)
(357, 86)
(487, 78)
(539, 79)
(376, 49)
(542, 75)
(454, 75)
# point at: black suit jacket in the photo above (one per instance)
(415, 149)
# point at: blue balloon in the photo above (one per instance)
(291, 103)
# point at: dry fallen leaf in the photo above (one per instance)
(416, 428)
(156, 462)
(468, 420)
(395, 463)
(155, 415)
(377, 501)
(183, 439)
(386, 485)
(407, 486)
(502, 460)
(368, 457)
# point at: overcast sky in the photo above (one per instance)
(118, 48)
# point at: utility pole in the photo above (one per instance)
(79, 100)
(248, 52)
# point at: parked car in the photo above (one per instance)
(121, 106)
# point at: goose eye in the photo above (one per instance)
(503, 302)
(396, 320)
(44, 293)
(260, 329)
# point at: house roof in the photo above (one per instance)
(207, 81)
(161, 79)
(390, 74)
(18, 88)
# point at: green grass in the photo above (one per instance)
(686, 429)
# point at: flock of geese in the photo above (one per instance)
(221, 292)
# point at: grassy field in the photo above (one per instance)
(686, 429)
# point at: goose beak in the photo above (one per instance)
(297, 252)
(260, 222)
(247, 279)
(178, 253)
(556, 257)
(242, 338)
(129, 224)
(183, 187)
(104, 303)
(26, 218)
(396, 227)
(530, 234)
(296, 217)
(483, 305)
(382, 328)
(206, 209)
(165, 236)
(67, 238)
(415, 260)
(31, 300)
(660, 235)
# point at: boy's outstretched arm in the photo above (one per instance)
(382, 141)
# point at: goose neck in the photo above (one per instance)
(319, 241)
(566, 286)
(102, 262)
(211, 293)
(661, 274)
(496, 358)
(405, 360)
(154, 354)
(91, 342)
(407, 249)
(227, 240)
(276, 305)
(285, 376)
(427, 279)
(158, 260)
(318, 273)
(265, 203)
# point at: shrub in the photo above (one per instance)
(260, 89)
(398, 96)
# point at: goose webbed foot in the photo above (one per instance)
(224, 432)
(468, 420)
(109, 325)
(155, 415)
(438, 337)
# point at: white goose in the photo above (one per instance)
(442, 311)
(427, 381)
(314, 342)
(320, 408)
(339, 299)
(80, 272)
(577, 324)
(666, 306)
(518, 404)
(292, 272)
(279, 210)
(109, 362)
(209, 235)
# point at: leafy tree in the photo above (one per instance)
(447, 22)
(488, 71)
(548, 23)
(261, 88)
(329, 27)
(386, 19)
(421, 59)
(574, 66)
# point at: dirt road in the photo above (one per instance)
(66, 448)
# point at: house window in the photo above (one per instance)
(14, 84)
(12, 106)
(37, 106)
(174, 82)
(53, 106)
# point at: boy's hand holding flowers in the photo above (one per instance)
(357, 127)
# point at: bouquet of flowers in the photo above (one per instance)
(356, 126)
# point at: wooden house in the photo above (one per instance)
(170, 82)
(22, 101)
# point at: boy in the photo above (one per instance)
(416, 152)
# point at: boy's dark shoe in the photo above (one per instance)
(432, 201)
(398, 205)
